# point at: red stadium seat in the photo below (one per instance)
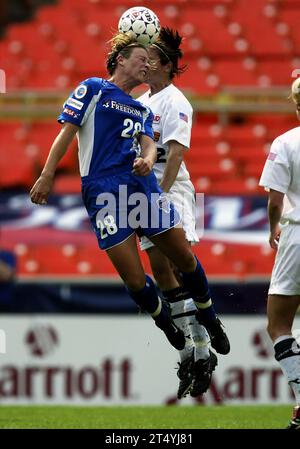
(254, 169)
(210, 29)
(42, 134)
(67, 184)
(253, 22)
(233, 73)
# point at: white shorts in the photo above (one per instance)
(285, 279)
(182, 195)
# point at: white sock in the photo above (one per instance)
(196, 335)
(201, 339)
(287, 353)
(177, 308)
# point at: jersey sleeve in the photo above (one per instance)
(80, 103)
(147, 123)
(177, 123)
(276, 173)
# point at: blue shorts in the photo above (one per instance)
(121, 203)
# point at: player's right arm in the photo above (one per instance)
(143, 165)
(275, 208)
(275, 178)
(175, 158)
(41, 189)
(76, 111)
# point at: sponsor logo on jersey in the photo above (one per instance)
(156, 119)
(75, 103)
(70, 112)
(106, 104)
(80, 91)
(112, 104)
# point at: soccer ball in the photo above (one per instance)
(141, 23)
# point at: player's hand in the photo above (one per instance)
(40, 191)
(142, 166)
(274, 237)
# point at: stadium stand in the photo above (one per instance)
(75, 260)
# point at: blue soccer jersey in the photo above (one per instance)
(110, 121)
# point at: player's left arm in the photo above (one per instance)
(275, 207)
(276, 178)
(142, 165)
(175, 158)
(176, 133)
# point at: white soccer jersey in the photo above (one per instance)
(172, 121)
(282, 173)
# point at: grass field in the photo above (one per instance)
(183, 417)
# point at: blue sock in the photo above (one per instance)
(196, 283)
(147, 299)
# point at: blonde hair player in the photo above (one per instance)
(281, 178)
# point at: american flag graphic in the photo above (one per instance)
(272, 156)
(183, 116)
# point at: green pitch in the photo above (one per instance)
(172, 417)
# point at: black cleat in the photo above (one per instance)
(202, 374)
(165, 322)
(185, 374)
(295, 421)
(218, 338)
(174, 334)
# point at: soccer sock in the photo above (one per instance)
(175, 298)
(147, 299)
(183, 313)
(200, 337)
(197, 285)
(287, 354)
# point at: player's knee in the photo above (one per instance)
(161, 270)
(163, 279)
(135, 283)
(187, 262)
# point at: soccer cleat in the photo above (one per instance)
(202, 374)
(174, 334)
(165, 322)
(185, 375)
(218, 338)
(295, 421)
